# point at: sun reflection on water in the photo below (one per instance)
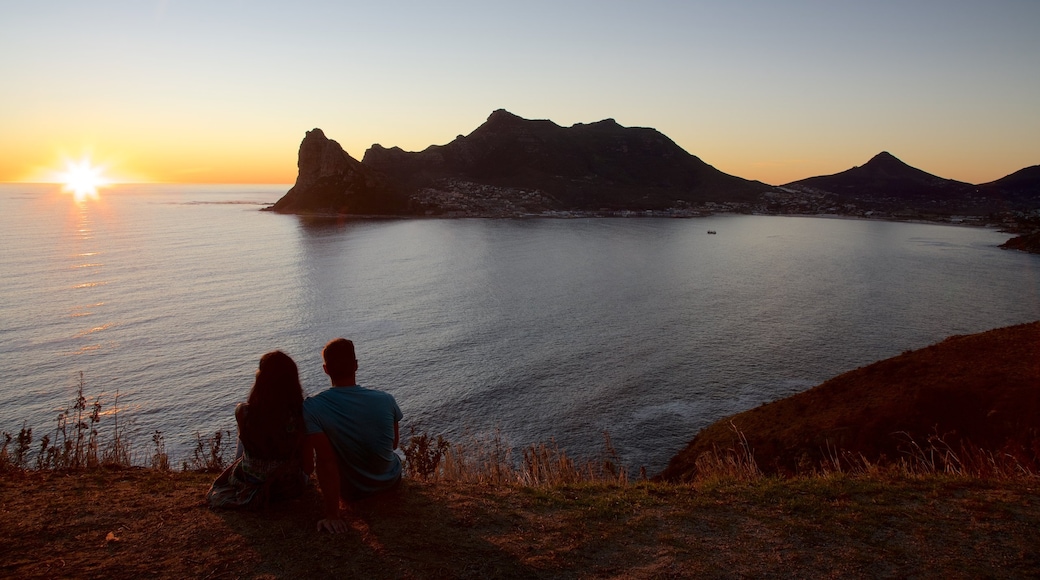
(85, 256)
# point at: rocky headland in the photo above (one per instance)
(1026, 243)
(509, 167)
(330, 181)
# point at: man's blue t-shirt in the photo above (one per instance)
(359, 423)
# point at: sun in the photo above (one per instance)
(82, 179)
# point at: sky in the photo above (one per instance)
(223, 91)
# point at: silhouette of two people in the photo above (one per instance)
(345, 435)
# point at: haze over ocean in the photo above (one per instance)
(648, 329)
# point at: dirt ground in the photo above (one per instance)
(139, 523)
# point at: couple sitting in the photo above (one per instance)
(346, 435)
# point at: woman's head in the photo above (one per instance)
(277, 385)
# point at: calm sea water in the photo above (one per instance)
(648, 329)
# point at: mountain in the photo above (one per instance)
(512, 166)
(887, 183)
(980, 389)
(508, 166)
(330, 181)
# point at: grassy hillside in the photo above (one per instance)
(958, 397)
(962, 501)
(138, 522)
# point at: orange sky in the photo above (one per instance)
(194, 91)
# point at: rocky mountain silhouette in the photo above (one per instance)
(508, 166)
(330, 181)
(511, 166)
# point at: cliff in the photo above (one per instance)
(332, 182)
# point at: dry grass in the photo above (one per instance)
(71, 507)
(478, 509)
(488, 459)
(75, 443)
(936, 407)
(78, 442)
(138, 522)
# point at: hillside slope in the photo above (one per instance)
(982, 389)
(1020, 190)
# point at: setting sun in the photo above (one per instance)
(82, 179)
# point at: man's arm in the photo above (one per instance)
(307, 450)
(327, 471)
(397, 435)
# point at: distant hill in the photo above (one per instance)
(982, 388)
(1020, 190)
(887, 183)
(512, 165)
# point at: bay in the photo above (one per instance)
(538, 329)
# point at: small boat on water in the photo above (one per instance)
(711, 231)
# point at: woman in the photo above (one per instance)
(270, 434)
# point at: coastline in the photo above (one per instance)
(1020, 233)
(966, 221)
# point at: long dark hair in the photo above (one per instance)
(276, 399)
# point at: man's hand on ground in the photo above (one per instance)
(332, 525)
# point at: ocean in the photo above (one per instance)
(646, 329)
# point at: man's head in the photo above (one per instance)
(340, 361)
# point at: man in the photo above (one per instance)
(353, 432)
